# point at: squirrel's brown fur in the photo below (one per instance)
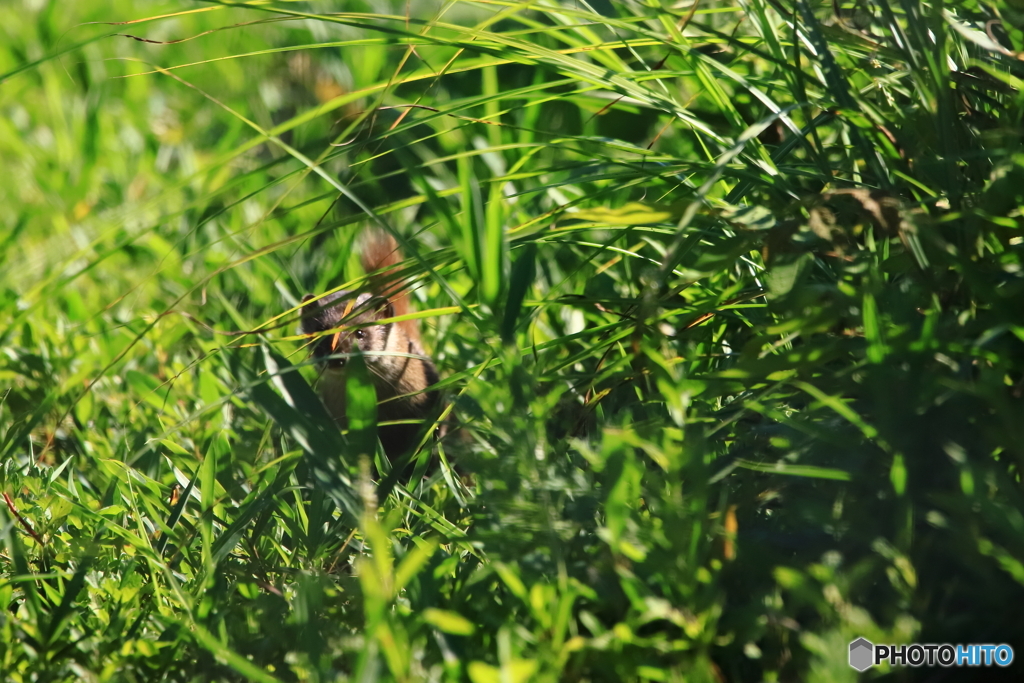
(401, 370)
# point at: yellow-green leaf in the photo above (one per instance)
(448, 622)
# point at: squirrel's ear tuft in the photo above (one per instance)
(385, 309)
(307, 324)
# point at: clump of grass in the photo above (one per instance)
(725, 298)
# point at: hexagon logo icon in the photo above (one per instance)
(861, 654)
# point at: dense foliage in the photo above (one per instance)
(727, 299)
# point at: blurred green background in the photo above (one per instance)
(726, 299)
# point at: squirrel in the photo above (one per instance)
(402, 372)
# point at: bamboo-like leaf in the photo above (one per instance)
(360, 407)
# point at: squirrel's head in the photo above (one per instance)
(340, 321)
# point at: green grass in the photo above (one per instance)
(727, 299)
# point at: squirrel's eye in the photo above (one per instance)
(360, 334)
